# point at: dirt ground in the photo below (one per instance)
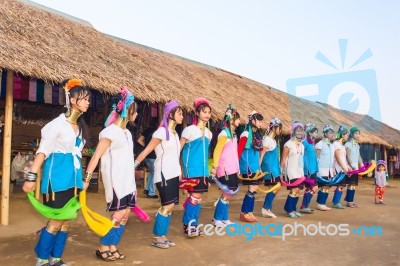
(17, 239)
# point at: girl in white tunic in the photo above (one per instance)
(292, 164)
(115, 149)
(167, 170)
(340, 164)
(60, 151)
(325, 158)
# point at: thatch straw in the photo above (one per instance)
(44, 45)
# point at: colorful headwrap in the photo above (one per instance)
(310, 127)
(229, 116)
(354, 129)
(120, 108)
(380, 162)
(296, 125)
(197, 103)
(274, 122)
(167, 110)
(67, 87)
(341, 131)
(326, 128)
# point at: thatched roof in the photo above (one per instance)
(44, 45)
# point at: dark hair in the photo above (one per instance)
(255, 117)
(173, 111)
(201, 107)
(236, 115)
(80, 92)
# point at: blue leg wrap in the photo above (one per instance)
(290, 204)
(192, 212)
(45, 244)
(221, 211)
(59, 244)
(108, 239)
(306, 199)
(350, 195)
(160, 227)
(269, 198)
(248, 202)
(337, 196)
(322, 197)
(118, 234)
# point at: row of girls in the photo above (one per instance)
(251, 159)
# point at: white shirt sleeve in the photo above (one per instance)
(348, 145)
(106, 133)
(336, 145)
(318, 146)
(49, 134)
(160, 133)
(269, 143)
(186, 133)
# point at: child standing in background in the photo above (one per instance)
(380, 181)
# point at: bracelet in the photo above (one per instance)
(88, 176)
(136, 164)
(31, 177)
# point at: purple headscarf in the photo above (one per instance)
(167, 110)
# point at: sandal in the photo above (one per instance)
(170, 243)
(161, 244)
(108, 256)
(121, 256)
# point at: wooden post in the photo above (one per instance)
(5, 188)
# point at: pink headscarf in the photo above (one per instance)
(197, 103)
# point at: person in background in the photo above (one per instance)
(144, 140)
(380, 181)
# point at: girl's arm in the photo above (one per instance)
(141, 141)
(339, 160)
(183, 142)
(100, 150)
(348, 158)
(241, 146)
(285, 154)
(37, 164)
(262, 153)
(217, 153)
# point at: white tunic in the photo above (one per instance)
(168, 154)
(325, 158)
(339, 146)
(117, 163)
(294, 161)
(354, 148)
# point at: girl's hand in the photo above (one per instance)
(29, 186)
(85, 185)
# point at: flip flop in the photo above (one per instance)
(170, 243)
(161, 244)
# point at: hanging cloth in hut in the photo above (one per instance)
(40, 91)
(3, 84)
(54, 95)
(48, 90)
(32, 90)
(17, 87)
(154, 110)
(25, 88)
(61, 96)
